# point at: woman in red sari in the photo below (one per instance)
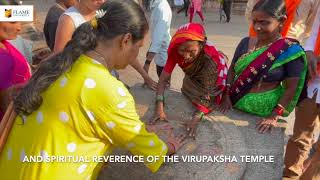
(205, 72)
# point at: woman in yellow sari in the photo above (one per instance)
(73, 107)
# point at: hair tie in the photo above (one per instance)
(100, 13)
(94, 23)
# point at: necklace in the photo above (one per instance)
(101, 57)
(279, 37)
(250, 51)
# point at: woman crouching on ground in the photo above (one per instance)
(205, 73)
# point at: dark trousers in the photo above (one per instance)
(185, 7)
(227, 8)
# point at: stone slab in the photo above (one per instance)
(232, 134)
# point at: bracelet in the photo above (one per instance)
(147, 62)
(200, 115)
(279, 110)
(279, 105)
(160, 98)
(228, 85)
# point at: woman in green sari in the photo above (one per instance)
(267, 73)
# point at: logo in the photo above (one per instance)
(8, 13)
(16, 13)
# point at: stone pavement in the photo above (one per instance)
(222, 135)
(227, 135)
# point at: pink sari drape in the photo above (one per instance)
(14, 68)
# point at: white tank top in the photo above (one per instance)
(78, 19)
(75, 15)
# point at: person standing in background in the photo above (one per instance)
(74, 16)
(196, 7)
(185, 7)
(52, 19)
(300, 17)
(161, 15)
(57, 35)
(307, 116)
(227, 9)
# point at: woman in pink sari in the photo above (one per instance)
(14, 68)
(196, 6)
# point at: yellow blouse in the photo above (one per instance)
(85, 113)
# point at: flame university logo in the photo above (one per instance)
(8, 13)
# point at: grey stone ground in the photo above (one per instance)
(233, 134)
